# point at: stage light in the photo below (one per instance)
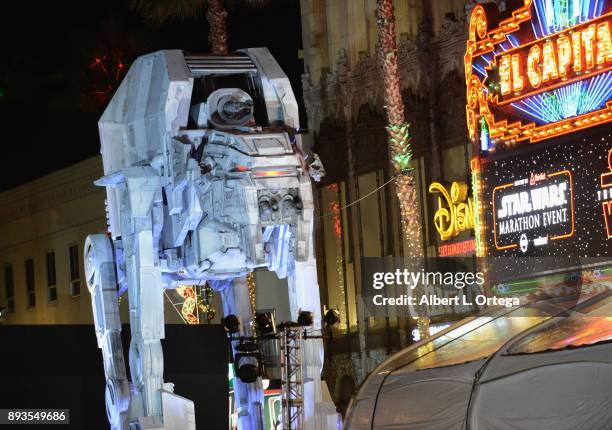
(231, 323)
(247, 373)
(265, 322)
(265, 382)
(331, 317)
(247, 361)
(305, 318)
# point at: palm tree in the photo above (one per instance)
(159, 11)
(400, 148)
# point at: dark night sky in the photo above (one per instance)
(48, 113)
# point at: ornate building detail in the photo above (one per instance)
(341, 366)
(345, 110)
(363, 366)
(348, 87)
(331, 144)
(370, 144)
(451, 110)
(418, 118)
(451, 45)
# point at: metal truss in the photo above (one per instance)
(292, 382)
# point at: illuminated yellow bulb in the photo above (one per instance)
(576, 52)
(549, 64)
(517, 77)
(588, 36)
(505, 79)
(564, 52)
(533, 64)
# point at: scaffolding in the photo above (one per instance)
(292, 381)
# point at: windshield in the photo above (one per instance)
(473, 343)
(586, 326)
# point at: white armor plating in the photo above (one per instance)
(205, 180)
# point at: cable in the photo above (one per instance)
(174, 306)
(359, 199)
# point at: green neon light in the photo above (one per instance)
(516, 291)
(476, 198)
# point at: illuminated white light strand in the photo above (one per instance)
(513, 40)
(479, 69)
(361, 198)
(572, 100)
(582, 11)
(173, 305)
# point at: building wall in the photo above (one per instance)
(330, 26)
(51, 214)
(343, 93)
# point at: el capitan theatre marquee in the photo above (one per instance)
(539, 114)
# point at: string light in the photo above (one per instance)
(400, 147)
(478, 208)
(334, 208)
(196, 300)
(204, 302)
(252, 288)
(189, 305)
(108, 71)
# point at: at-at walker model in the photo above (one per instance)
(205, 181)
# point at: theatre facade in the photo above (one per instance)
(509, 110)
(358, 212)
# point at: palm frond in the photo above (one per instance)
(252, 4)
(158, 11)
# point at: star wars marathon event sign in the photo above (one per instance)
(551, 199)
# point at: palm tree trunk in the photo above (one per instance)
(217, 36)
(400, 149)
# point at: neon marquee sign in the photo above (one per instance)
(454, 249)
(533, 211)
(456, 214)
(575, 54)
(605, 196)
(543, 70)
(552, 199)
